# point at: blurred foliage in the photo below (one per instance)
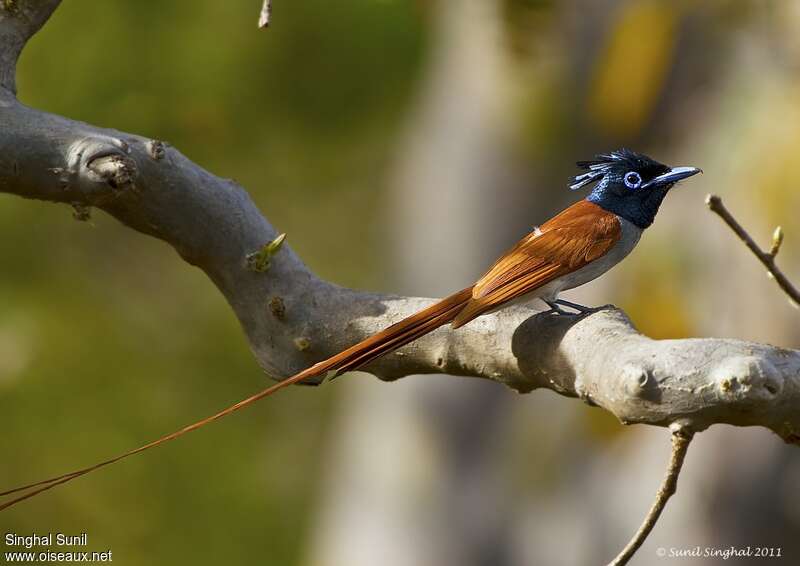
(630, 73)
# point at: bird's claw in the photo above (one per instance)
(555, 307)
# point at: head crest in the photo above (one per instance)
(600, 165)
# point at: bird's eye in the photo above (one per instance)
(632, 180)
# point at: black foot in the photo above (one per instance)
(580, 308)
(555, 307)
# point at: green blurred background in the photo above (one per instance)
(108, 340)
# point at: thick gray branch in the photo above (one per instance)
(292, 319)
(19, 20)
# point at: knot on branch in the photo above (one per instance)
(747, 379)
(156, 149)
(116, 170)
(99, 164)
(639, 382)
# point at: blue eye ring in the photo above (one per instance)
(632, 180)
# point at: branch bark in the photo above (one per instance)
(293, 319)
(18, 22)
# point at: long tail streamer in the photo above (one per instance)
(369, 349)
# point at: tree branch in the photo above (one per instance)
(19, 20)
(680, 444)
(264, 16)
(293, 319)
(767, 258)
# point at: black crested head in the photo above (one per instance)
(629, 184)
(617, 163)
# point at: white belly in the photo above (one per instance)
(628, 240)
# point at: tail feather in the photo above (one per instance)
(359, 355)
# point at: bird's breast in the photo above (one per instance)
(629, 237)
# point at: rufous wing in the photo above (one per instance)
(577, 236)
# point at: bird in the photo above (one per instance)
(572, 248)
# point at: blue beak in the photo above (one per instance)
(672, 176)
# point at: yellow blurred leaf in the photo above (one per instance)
(631, 69)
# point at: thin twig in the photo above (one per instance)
(680, 444)
(266, 11)
(767, 258)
